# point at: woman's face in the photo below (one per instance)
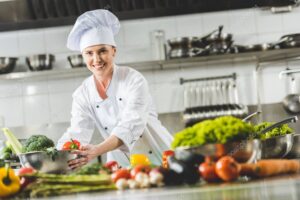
(99, 59)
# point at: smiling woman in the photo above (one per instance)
(114, 99)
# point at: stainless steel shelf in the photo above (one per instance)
(261, 57)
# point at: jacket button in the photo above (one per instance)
(150, 152)
(97, 106)
(120, 99)
(105, 128)
(141, 136)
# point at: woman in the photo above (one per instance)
(115, 100)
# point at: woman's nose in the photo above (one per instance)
(96, 57)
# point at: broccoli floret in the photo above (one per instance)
(220, 130)
(281, 130)
(37, 143)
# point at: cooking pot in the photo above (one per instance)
(291, 40)
(76, 61)
(291, 102)
(217, 36)
(185, 43)
(40, 62)
(7, 64)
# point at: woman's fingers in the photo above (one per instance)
(78, 162)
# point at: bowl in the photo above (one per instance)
(40, 62)
(7, 64)
(76, 61)
(245, 151)
(45, 163)
(276, 147)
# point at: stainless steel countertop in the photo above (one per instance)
(281, 187)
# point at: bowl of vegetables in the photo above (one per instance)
(222, 136)
(276, 138)
(51, 161)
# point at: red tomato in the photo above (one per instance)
(140, 168)
(227, 168)
(208, 172)
(112, 165)
(70, 145)
(120, 173)
(25, 170)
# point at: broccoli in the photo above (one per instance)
(281, 130)
(220, 130)
(37, 143)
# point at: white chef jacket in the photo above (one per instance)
(128, 112)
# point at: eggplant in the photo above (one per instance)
(189, 173)
(171, 177)
(189, 158)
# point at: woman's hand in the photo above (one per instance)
(85, 154)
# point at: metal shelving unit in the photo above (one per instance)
(257, 57)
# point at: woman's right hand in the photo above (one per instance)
(85, 154)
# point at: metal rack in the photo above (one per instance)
(182, 80)
(258, 57)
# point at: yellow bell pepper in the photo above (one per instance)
(9, 182)
(139, 159)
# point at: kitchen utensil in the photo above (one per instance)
(243, 151)
(291, 40)
(247, 118)
(40, 62)
(185, 43)
(291, 102)
(278, 146)
(45, 163)
(7, 64)
(76, 61)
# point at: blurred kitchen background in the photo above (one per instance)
(39, 102)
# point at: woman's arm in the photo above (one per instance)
(89, 152)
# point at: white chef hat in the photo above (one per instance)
(93, 28)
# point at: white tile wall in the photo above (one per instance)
(37, 102)
(36, 109)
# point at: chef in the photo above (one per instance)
(114, 99)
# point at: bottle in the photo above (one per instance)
(158, 46)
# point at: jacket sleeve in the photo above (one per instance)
(82, 125)
(133, 118)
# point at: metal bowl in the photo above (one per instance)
(7, 64)
(43, 162)
(276, 147)
(243, 151)
(76, 61)
(40, 62)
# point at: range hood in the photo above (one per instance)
(27, 14)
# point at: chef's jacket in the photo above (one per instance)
(128, 113)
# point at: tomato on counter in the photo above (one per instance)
(120, 173)
(140, 168)
(71, 145)
(207, 171)
(112, 165)
(227, 168)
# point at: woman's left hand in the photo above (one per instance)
(85, 154)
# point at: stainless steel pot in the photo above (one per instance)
(76, 61)
(40, 62)
(7, 64)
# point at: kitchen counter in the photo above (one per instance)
(281, 187)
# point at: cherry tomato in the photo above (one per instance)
(112, 165)
(227, 168)
(208, 171)
(120, 173)
(139, 168)
(25, 170)
(70, 145)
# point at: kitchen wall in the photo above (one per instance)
(42, 103)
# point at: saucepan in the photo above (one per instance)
(278, 146)
(40, 62)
